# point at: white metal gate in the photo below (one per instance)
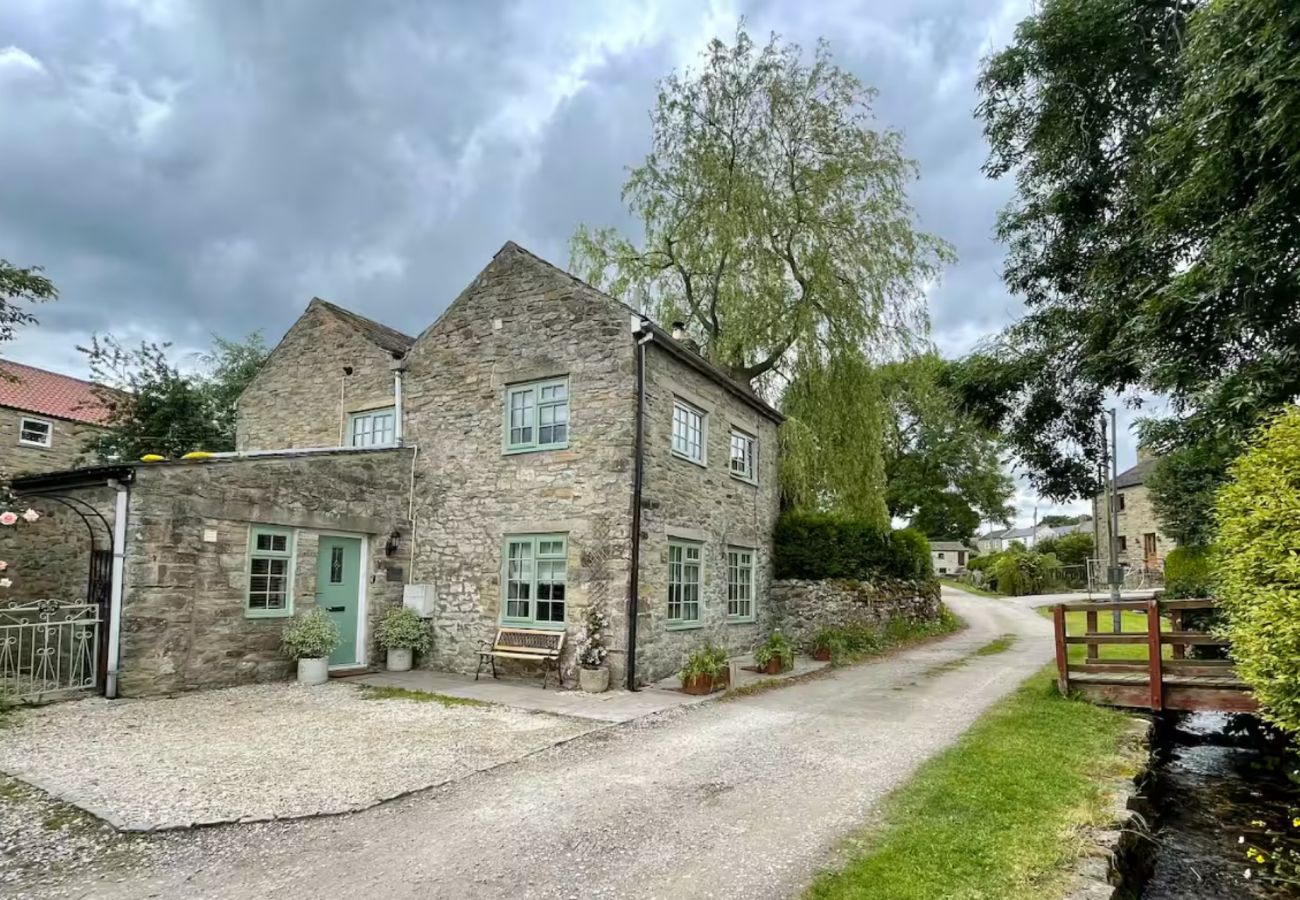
(48, 648)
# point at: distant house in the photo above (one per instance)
(949, 557)
(1085, 526)
(994, 541)
(990, 541)
(45, 419)
(1139, 540)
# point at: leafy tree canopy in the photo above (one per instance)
(155, 407)
(1153, 234)
(19, 288)
(1055, 521)
(943, 469)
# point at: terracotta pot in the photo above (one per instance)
(594, 681)
(705, 684)
(773, 667)
(399, 659)
(822, 654)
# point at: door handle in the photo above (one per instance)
(336, 609)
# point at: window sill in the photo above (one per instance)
(515, 451)
(268, 613)
(36, 444)
(736, 620)
(689, 459)
(542, 626)
(677, 625)
(752, 482)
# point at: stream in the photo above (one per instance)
(1218, 780)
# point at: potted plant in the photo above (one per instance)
(775, 655)
(310, 639)
(403, 634)
(706, 670)
(827, 645)
(593, 658)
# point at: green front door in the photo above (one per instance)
(338, 590)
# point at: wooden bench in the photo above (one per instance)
(540, 644)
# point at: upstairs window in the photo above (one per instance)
(537, 416)
(688, 431)
(742, 456)
(35, 432)
(270, 572)
(372, 428)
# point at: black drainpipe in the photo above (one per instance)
(638, 471)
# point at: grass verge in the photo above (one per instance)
(969, 588)
(1000, 644)
(375, 692)
(1000, 814)
(1076, 623)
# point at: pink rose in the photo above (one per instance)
(3, 565)
(8, 518)
(31, 515)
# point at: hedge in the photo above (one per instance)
(820, 545)
(1187, 573)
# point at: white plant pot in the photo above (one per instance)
(594, 681)
(399, 659)
(314, 671)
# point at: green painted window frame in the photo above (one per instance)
(539, 403)
(289, 556)
(741, 591)
(681, 599)
(680, 442)
(370, 414)
(541, 552)
(749, 474)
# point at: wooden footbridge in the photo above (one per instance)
(1147, 668)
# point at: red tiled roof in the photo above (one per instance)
(48, 393)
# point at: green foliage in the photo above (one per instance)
(387, 692)
(1017, 572)
(19, 287)
(1074, 549)
(943, 469)
(1188, 573)
(154, 407)
(819, 545)
(593, 652)
(1187, 477)
(311, 636)
(402, 628)
(1056, 521)
(777, 646)
(707, 661)
(854, 643)
(1258, 577)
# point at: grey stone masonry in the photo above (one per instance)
(67, 444)
(303, 396)
(50, 558)
(702, 503)
(184, 624)
(521, 320)
(803, 608)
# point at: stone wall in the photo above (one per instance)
(1137, 518)
(521, 320)
(184, 624)
(65, 450)
(50, 558)
(301, 397)
(802, 608)
(706, 504)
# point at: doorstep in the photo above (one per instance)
(349, 671)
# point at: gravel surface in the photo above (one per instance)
(260, 752)
(740, 799)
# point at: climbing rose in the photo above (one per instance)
(5, 582)
(31, 515)
(3, 565)
(8, 518)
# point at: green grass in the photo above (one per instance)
(969, 588)
(998, 815)
(1076, 623)
(373, 692)
(1000, 644)
(857, 643)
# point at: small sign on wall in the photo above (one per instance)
(209, 535)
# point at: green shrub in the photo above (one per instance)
(708, 660)
(1074, 549)
(310, 637)
(1187, 573)
(1017, 572)
(777, 645)
(401, 628)
(1258, 567)
(820, 545)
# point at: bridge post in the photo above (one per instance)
(1062, 656)
(1155, 672)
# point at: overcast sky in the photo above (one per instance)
(184, 168)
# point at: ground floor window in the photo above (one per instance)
(270, 571)
(684, 582)
(536, 578)
(740, 584)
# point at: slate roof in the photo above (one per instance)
(47, 393)
(377, 333)
(946, 546)
(1136, 475)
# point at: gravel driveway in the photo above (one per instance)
(734, 799)
(260, 752)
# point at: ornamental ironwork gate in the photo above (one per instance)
(48, 649)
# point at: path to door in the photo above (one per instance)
(745, 798)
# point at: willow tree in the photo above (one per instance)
(776, 226)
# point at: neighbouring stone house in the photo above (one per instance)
(45, 419)
(949, 557)
(1140, 543)
(1002, 539)
(495, 464)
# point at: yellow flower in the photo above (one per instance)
(1295, 823)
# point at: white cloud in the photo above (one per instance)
(17, 60)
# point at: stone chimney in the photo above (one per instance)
(1145, 453)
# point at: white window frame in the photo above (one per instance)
(532, 393)
(289, 555)
(368, 416)
(685, 557)
(741, 595)
(682, 445)
(749, 443)
(541, 550)
(49, 431)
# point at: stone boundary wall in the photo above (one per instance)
(801, 608)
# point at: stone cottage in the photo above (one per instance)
(46, 418)
(1140, 543)
(539, 449)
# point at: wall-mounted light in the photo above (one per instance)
(393, 544)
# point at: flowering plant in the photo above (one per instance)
(594, 653)
(8, 518)
(402, 629)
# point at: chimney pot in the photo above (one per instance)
(679, 331)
